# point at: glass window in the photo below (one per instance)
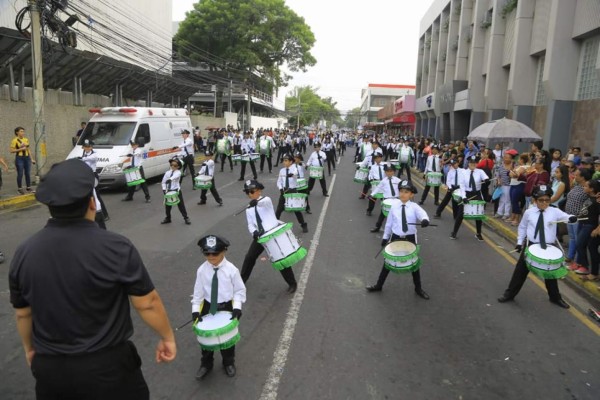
(108, 133)
(540, 95)
(143, 131)
(589, 83)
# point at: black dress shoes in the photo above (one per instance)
(166, 221)
(421, 293)
(373, 288)
(376, 229)
(561, 303)
(369, 213)
(202, 372)
(421, 202)
(230, 370)
(292, 288)
(505, 299)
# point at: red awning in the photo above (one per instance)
(402, 119)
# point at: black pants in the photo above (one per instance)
(330, 160)
(281, 207)
(112, 373)
(262, 162)
(385, 272)
(447, 198)
(213, 191)
(436, 193)
(365, 189)
(252, 255)
(180, 205)
(461, 212)
(252, 166)
(520, 275)
(144, 186)
(223, 157)
(208, 356)
(404, 166)
(311, 184)
(188, 161)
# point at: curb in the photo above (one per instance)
(17, 202)
(589, 289)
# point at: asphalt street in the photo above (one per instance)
(332, 339)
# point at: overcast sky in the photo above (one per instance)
(357, 43)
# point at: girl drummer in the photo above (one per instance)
(401, 226)
(261, 218)
(171, 183)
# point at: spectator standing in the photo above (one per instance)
(23, 159)
(517, 186)
(588, 217)
(503, 180)
(78, 134)
(575, 199)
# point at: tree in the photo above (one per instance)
(247, 36)
(307, 108)
(352, 118)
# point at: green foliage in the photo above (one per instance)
(352, 118)
(244, 36)
(307, 107)
(509, 6)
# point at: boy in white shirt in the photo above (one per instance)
(171, 183)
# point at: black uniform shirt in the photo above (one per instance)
(77, 277)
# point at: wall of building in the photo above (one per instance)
(585, 129)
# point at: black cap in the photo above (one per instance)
(185, 132)
(299, 155)
(542, 190)
(317, 144)
(177, 160)
(87, 143)
(213, 244)
(377, 154)
(435, 147)
(252, 184)
(208, 153)
(473, 159)
(453, 161)
(407, 185)
(66, 183)
(389, 167)
(287, 157)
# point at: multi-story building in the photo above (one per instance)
(376, 96)
(535, 61)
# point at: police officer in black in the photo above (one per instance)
(72, 304)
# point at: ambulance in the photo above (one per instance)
(112, 129)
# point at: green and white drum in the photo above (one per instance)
(395, 163)
(374, 184)
(203, 182)
(254, 156)
(546, 263)
(387, 205)
(172, 198)
(245, 158)
(315, 172)
(236, 157)
(223, 146)
(401, 257)
(302, 184)
(456, 196)
(133, 176)
(474, 209)
(361, 175)
(295, 202)
(217, 332)
(282, 247)
(434, 178)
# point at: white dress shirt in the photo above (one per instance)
(138, 157)
(414, 214)
(207, 168)
(376, 172)
(266, 212)
(313, 160)
(478, 176)
(454, 177)
(170, 180)
(266, 142)
(368, 161)
(187, 147)
(90, 158)
(247, 146)
(530, 219)
(291, 180)
(405, 153)
(231, 286)
(301, 171)
(431, 160)
(384, 187)
(327, 146)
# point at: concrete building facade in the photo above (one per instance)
(535, 61)
(376, 96)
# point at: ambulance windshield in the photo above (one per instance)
(108, 133)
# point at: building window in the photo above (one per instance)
(589, 83)
(540, 91)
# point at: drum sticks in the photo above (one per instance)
(567, 221)
(419, 224)
(178, 328)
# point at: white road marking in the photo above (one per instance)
(271, 386)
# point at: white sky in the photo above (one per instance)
(357, 43)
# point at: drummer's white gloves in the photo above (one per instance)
(518, 248)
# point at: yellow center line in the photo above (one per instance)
(538, 282)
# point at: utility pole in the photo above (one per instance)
(298, 122)
(38, 89)
(249, 108)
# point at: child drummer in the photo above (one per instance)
(401, 226)
(217, 273)
(171, 182)
(302, 175)
(316, 159)
(433, 165)
(208, 168)
(286, 183)
(375, 174)
(261, 218)
(537, 226)
(389, 188)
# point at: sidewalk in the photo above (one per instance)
(510, 233)
(9, 197)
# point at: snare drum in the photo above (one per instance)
(302, 184)
(133, 176)
(434, 178)
(374, 184)
(295, 201)
(236, 157)
(254, 156)
(172, 198)
(402, 257)
(315, 172)
(245, 157)
(545, 263)
(474, 209)
(361, 175)
(456, 196)
(203, 182)
(282, 246)
(387, 205)
(395, 163)
(217, 332)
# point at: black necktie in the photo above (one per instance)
(205, 169)
(539, 229)
(319, 157)
(261, 230)
(214, 293)
(472, 182)
(287, 180)
(433, 166)
(404, 223)
(133, 159)
(455, 178)
(392, 188)
(380, 175)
